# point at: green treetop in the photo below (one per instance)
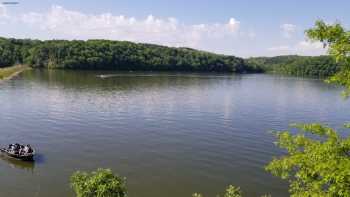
(314, 166)
(337, 39)
(101, 183)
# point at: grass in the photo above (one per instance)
(9, 72)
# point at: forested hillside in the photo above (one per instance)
(319, 66)
(115, 55)
(14, 51)
(122, 55)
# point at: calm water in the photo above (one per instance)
(169, 134)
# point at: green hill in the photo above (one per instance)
(115, 55)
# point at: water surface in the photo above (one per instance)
(169, 134)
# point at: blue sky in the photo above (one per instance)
(235, 27)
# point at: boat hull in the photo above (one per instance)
(29, 157)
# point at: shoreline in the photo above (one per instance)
(7, 73)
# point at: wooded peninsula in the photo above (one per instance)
(129, 56)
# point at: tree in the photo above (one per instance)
(317, 162)
(231, 191)
(337, 39)
(314, 166)
(115, 55)
(100, 183)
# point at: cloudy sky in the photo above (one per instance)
(234, 27)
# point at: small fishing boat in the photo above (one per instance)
(18, 151)
(17, 163)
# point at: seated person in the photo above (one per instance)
(28, 149)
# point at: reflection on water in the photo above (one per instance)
(39, 158)
(16, 163)
(92, 80)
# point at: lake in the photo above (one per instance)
(170, 134)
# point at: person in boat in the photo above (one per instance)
(15, 148)
(21, 150)
(28, 149)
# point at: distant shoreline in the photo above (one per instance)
(130, 56)
(8, 73)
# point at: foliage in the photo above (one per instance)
(100, 183)
(320, 66)
(316, 165)
(121, 55)
(14, 51)
(337, 39)
(342, 78)
(197, 195)
(9, 53)
(115, 55)
(231, 191)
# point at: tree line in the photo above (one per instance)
(115, 55)
(318, 66)
(128, 56)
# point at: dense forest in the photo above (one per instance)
(122, 55)
(319, 66)
(14, 51)
(115, 55)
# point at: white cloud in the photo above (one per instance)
(288, 30)
(233, 25)
(229, 37)
(300, 48)
(61, 23)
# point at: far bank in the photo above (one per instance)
(7, 73)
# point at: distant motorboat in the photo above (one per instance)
(103, 76)
(19, 152)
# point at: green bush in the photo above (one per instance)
(231, 191)
(100, 183)
(317, 162)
